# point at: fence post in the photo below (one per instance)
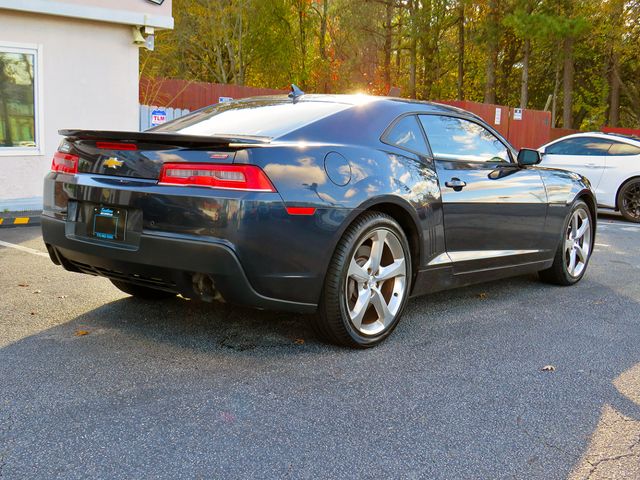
(144, 117)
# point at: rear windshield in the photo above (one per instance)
(264, 118)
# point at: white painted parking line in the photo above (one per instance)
(622, 225)
(24, 249)
(601, 245)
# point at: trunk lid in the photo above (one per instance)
(142, 154)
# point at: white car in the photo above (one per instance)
(611, 162)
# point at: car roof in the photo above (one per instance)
(334, 116)
(378, 111)
(609, 136)
(359, 99)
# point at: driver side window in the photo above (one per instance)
(453, 138)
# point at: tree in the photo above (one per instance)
(493, 38)
(515, 52)
(615, 21)
(526, 25)
(461, 33)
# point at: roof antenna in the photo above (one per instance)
(295, 92)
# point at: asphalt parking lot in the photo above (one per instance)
(95, 384)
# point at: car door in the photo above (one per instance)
(494, 211)
(584, 155)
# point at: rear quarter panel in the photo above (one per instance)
(619, 170)
(370, 176)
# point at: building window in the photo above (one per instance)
(19, 92)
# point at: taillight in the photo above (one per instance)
(65, 163)
(233, 177)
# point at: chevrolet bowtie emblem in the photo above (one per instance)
(112, 162)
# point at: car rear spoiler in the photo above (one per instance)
(164, 138)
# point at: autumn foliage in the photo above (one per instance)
(579, 59)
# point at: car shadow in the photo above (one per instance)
(613, 216)
(207, 327)
(461, 375)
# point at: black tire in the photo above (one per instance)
(140, 291)
(628, 200)
(559, 272)
(333, 321)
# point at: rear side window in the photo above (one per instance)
(586, 146)
(406, 133)
(624, 149)
(454, 138)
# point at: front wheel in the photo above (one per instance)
(629, 200)
(367, 283)
(574, 251)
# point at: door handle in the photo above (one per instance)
(456, 184)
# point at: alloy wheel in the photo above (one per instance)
(577, 243)
(376, 282)
(631, 200)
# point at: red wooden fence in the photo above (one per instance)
(560, 132)
(192, 95)
(624, 131)
(530, 129)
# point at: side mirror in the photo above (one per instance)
(527, 156)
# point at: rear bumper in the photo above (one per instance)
(195, 268)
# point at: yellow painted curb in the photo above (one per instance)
(21, 220)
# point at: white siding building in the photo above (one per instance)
(64, 64)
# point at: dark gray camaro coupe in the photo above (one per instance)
(341, 205)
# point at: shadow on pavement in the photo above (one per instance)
(186, 389)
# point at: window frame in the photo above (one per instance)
(510, 150)
(613, 141)
(38, 117)
(586, 138)
(383, 138)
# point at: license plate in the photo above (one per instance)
(109, 223)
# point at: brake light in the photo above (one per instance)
(232, 177)
(116, 146)
(65, 163)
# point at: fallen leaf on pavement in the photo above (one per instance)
(80, 333)
(23, 284)
(548, 368)
(37, 291)
(482, 296)
(227, 417)
(299, 341)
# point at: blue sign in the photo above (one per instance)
(158, 117)
(224, 99)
